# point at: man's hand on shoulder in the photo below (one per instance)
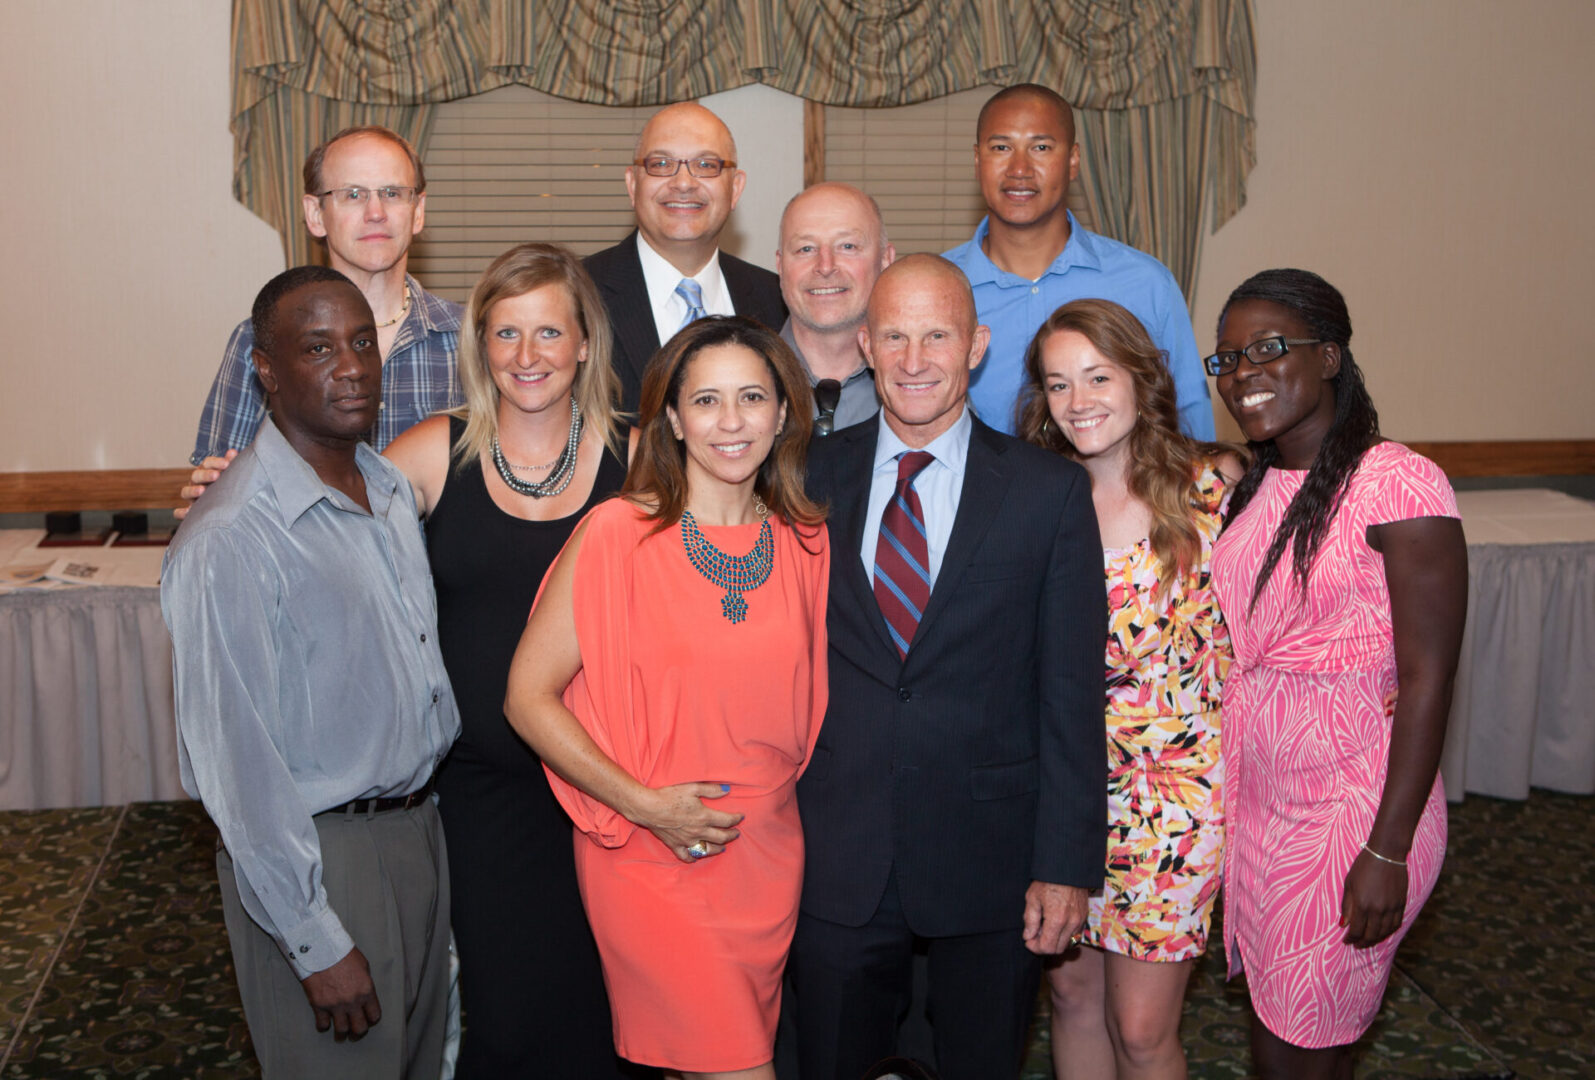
(208, 472)
(1053, 915)
(344, 997)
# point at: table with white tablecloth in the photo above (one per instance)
(1523, 712)
(85, 685)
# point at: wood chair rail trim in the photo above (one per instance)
(145, 489)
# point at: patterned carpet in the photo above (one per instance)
(114, 963)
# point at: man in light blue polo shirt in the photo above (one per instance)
(1029, 257)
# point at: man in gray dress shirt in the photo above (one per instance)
(833, 247)
(312, 707)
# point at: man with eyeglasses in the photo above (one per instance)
(365, 194)
(683, 183)
(1029, 257)
(833, 247)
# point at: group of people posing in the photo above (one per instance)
(764, 631)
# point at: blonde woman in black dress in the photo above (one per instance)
(502, 482)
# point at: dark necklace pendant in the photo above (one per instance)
(734, 606)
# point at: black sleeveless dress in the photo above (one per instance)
(531, 989)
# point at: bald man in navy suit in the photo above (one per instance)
(956, 798)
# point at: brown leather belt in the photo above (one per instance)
(378, 806)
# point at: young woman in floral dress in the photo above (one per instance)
(1099, 391)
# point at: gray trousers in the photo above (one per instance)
(387, 878)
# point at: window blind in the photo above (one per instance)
(515, 164)
(918, 162)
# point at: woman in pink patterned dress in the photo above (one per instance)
(1343, 576)
(1099, 391)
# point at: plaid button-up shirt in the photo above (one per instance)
(419, 378)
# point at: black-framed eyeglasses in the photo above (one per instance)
(1261, 352)
(704, 168)
(827, 396)
(357, 196)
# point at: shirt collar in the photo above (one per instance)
(951, 447)
(297, 488)
(1081, 250)
(791, 339)
(662, 278)
(428, 314)
(434, 312)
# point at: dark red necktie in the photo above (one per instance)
(902, 555)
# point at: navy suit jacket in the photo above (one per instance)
(978, 764)
(617, 270)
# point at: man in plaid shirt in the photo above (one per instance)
(365, 194)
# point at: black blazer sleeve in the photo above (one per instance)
(1072, 816)
(617, 271)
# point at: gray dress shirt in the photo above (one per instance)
(858, 402)
(307, 670)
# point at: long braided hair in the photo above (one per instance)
(1355, 427)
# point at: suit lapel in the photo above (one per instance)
(736, 286)
(851, 513)
(630, 311)
(986, 479)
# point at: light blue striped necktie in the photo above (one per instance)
(692, 293)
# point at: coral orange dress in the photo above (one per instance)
(674, 692)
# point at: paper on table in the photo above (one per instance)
(109, 566)
(23, 565)
(22, 575)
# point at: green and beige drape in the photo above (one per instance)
(1163, 88)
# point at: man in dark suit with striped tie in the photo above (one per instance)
(956, 799)
(683, 183)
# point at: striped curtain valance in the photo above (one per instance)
(1184, 69)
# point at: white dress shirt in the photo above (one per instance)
(670, 310)
(939, 484)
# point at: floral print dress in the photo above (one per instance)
(1166, 664)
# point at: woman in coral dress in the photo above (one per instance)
(672, 678)
(1098, 391)
(1343, 575)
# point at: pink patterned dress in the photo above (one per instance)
(1307, 718)
(1166, 661)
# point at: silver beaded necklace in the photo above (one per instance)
(564, 468)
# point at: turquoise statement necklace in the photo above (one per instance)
(735, 574)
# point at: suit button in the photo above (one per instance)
(904, 693)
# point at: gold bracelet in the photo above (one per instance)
(1385, 858)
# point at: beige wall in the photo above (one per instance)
(126, 260)
(1435, 160)
(1430, 157)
